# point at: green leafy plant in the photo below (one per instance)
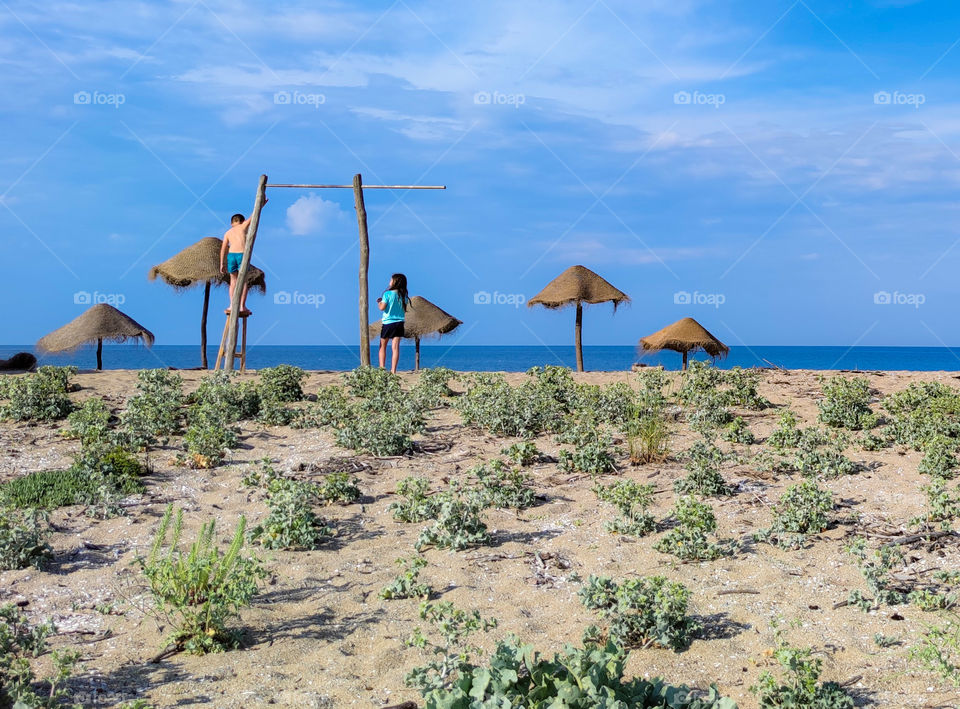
(503, 487)
(200, 590)
(939, 457)
(282, 383)
(787, 432)
(23, 535)
(804, 509)
(689, 540)
(632, 501)
(650, 400)
(90, 423)
(742, 389)
(799, 685)
(642, 611)
(291, 524)
(877, 568)
(737, 431)
(452, 652)
(339, 488)
(416, 505)
(846, 404)
(20, 644)
(331, 408)
(703, 461)
(458, 523)
(943, 505)
(40, 396)
(155, 412)
(591, 448)
(939, 649)
(433, 387)
(382, 432)
(536, 406)
(648, 439)
(372, 383)
(523, 453)
(885, 641)
(407, 583)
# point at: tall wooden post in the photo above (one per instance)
(242, 274)
(416, 361)
(576, 337)
(203, 325)
(99, 353)
(684, 360)
(364, 266)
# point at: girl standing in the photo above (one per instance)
(393, 303)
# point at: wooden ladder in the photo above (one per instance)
(242, 354)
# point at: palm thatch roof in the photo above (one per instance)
(685, 335)
(101, 321)
(423, 319)
(200, 263)
(578, 285)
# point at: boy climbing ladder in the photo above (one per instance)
(231, 254)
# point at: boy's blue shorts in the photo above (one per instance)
(233, 262)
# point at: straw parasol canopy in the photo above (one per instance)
(576, 286)
(423, 319)
(101, 322)
(685, 336)
(200, 263)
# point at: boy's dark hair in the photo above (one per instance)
(398, 282)
(236, 219)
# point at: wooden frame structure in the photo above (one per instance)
(229, 341)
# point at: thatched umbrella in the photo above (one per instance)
(578, 285)
(200, 263)
(101, 322)
(686, 335)
(423, 319)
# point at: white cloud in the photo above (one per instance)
(312, 214)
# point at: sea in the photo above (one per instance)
(516, 358)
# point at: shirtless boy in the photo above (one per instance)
(231, 254)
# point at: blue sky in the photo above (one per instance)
(785, 172)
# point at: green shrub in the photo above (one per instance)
(282, 383)
(458, 523)
(585, 677)
(737, 431)
(648, 439)
(208, 439)
(381, 432)
(20, 643)
(339, 488)
(651, 400)
(787, 432)
(407, 583)
(641, 611)
(632, 501)
(800, 684)
(23, 535)
(331, 407)
(372, 383)
(90, 423)
(742, 389)
(820, 454)
(688, 540)
(416, 505)
(846, 404)
(40, 396)
(939, 457)
(804, 509)
(878, 569)
(698, 381)
(292, 524)
(709, 412)
(591, 448)
(943, 505)
(613, 404)
(703, 476)
(433, 387)
(921, 412)
(522, 453)
(220, 398)
(199, 591)
(939, 649)
(155, 412)
(502, 486)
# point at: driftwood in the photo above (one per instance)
(922, 537)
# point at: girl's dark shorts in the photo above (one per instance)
(391, 330)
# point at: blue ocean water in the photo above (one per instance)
(515, 358)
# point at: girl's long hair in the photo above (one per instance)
(398, 282)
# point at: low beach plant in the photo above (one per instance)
(416, 504)
(458, 522)
(741, 389)
(703, 461)
(787, 432)
(503, 487)
(939, 649)
(39, 396)
(804, 509)
(642, 611)
(291, 524)
(877, 567)
(591, 448)
(523, 453)
(943, 505)
(331, 407)
(689, 539)
(407, 583)
(939, 457)
(23, 538)
(339, 488)
(198, 591)
(846, 404)
(632, 501)
(737, 431)
(155, 412)
(433, 387)
(648, 439)
(282, 383)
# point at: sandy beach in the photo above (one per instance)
(318, 634)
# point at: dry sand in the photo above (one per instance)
(319, 636)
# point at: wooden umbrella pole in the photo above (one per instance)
(203, 325)
(99, 353)
(242, 274)
(416, 361)
(684, 360)
(576, 339)
(364, 300)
